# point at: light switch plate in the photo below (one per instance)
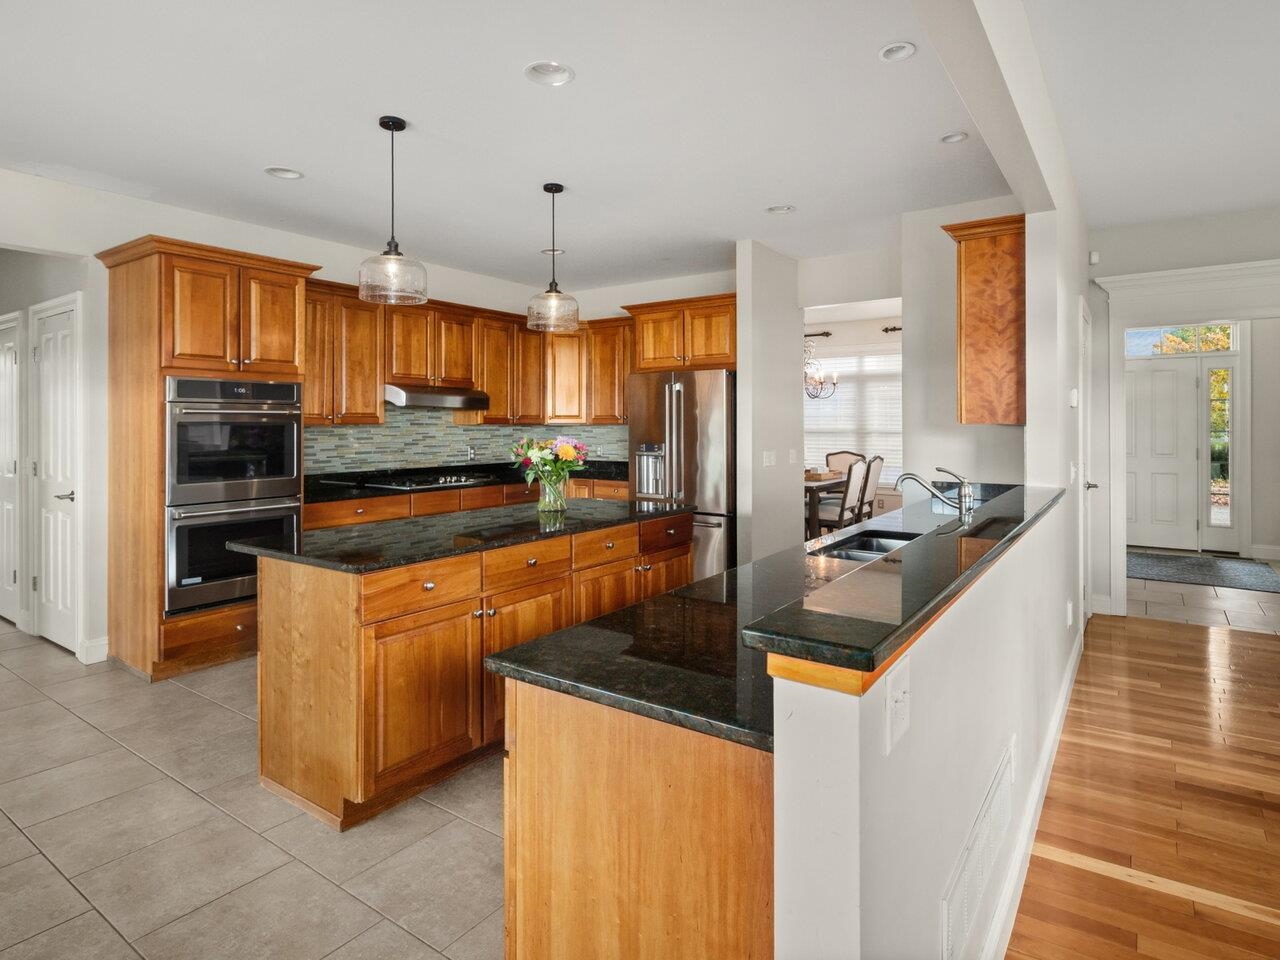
(770, 458)
(897, 703)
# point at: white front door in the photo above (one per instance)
(54, 450)
(9, 421)
(1161, 468)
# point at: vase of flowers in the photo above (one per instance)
(550, 462)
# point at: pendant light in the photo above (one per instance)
(553, 311)
(393, 277)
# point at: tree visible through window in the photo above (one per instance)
(1165, 341)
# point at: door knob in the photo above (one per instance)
(1090, 485)
(66, 496)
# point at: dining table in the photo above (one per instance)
(813, 491)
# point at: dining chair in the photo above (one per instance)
(840, 459)
(834, 515)
(867, 508)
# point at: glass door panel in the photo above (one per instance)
(1220, 424)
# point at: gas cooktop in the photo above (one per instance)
(412, 484)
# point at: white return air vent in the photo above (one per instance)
(969, 879)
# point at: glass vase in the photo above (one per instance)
(551, 498)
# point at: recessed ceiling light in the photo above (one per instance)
(898, 50)
(956, 136)
(558, 251)
(780, 208)
(283, 173)
(549, 73)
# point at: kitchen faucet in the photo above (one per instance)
(963, 501)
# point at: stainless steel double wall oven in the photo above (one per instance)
(233, 472)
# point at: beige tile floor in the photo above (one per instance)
(132, 824)
(1194, 603)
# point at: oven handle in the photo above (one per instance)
(237, 414)
(184, 514)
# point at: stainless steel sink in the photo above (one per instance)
(866, 545)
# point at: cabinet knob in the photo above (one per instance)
(671, 531)
(608, 545)
(429, 585)
(359, 510)
(477, 614)
(532, 562)
(239, 628)
(492, 612)
(639, 569)
(647, 567)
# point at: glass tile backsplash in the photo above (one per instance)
(422, 438)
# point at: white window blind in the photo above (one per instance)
(864, 415)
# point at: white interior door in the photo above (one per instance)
(9, 423)
(1084, 420)
(57, 535)
(1162, 476)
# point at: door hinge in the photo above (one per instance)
(35, 354)
(34, 469)
(1197, 524)
(1197, 453)
(15, 578)
(35, 583)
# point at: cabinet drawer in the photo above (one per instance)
(526, 563)
(403, 590)
(612, 490)
(519, 493)
(190, 634)
(666, 532)
(436, 501)
(601, 546)
(337, 513)
(474, 498)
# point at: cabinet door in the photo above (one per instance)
(518, 616)
(566, 378)
(529, 374)
(578, 489)
(408, 337)
(495, 346)
(421, 692)
(272, 326)
(665, 571)
(711, 336)
(357, 361)
(317, 367)
(606, 588)
(660, 340)
(609, 358)
(200, 314)
(454, 350)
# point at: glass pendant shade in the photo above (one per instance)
(553, 312)
(393, 278)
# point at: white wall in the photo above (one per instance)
(849, 335)
(52, 217)
(1238, 237)
(600, 302)
(869, 274)
(931, 435)
(770, 411)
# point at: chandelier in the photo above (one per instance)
(817, 385)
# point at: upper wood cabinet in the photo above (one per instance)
(991, 329)
(529, 376)
(199, 314)
(344, 367)
(430, 346)
(610, 355)
(272, 325)
(566, 355)
(495, 355)
(697, 333)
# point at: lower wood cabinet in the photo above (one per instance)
(605, 588)
(337, 513)
(514, 617)
(664, 571)
(192, 640)
(421, 702)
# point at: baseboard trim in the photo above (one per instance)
(93, 651)
(1001, 929)
(1100, 603)
(1262, 551)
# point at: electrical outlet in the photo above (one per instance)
(471, 453)
(897, 703)
(880, 503)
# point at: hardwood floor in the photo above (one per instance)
(1160, 834)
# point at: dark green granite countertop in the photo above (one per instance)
(365, 547)
(696, 657)
(355, 484)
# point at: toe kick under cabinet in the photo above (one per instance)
(372, 686)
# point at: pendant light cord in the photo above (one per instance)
(393, 246)
(553, 242)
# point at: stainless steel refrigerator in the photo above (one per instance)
(681, 438)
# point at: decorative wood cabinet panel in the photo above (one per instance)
(566, 355)
(697, 333)
(407, 336)
(200, 314)
(272, 321)
(428, 346)
(453, 345)
(317, 387)
(517, 616)
(422, 697)
(358, 371)
(991, 339)
(610, 356)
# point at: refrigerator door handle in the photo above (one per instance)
(666, 440)
(677, 442)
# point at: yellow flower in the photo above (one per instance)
(566, 452)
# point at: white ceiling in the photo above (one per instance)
(686, 120)
(1167, 107)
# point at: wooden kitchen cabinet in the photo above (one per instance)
(317, 386)
(577, 489)
(991, 343)
(610, 357)
(664, 571)
(606, 588)
(695, 333)
(517, 616)
(272, 321)
(566, 356)
(528, 370)
(200, 313)
(408, 335)
(430, 346)
(421, 693)
(340, 513)
(345, 374)
(495, 354)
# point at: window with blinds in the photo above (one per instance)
(864, 415)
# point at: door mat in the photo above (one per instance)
(1210, 571)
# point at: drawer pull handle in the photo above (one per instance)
(477, 614)
(493, 612)
(608, 544)
(532, 562)
(359, 510)
(429, 585)
(671, 531)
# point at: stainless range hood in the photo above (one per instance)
(437, 398)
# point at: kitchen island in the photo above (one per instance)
(371, 637)
(641, 776)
